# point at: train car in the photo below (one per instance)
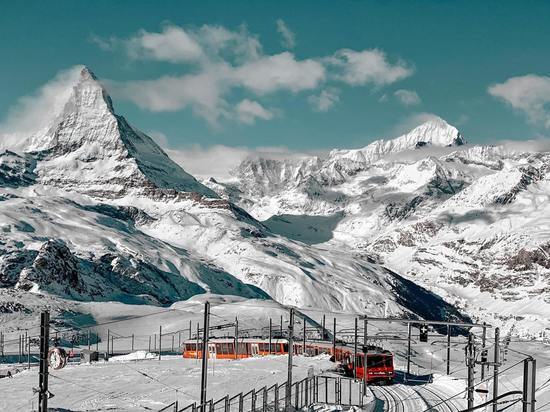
(224, 348)
(379, 365)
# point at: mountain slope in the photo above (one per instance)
(469, 222)
(90, 149)
(94, 210)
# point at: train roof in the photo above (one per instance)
(241, 340)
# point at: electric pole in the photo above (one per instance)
(470, 361)
(204, 374)
(43, 373)
(355, 351)
(496, 361)
(448, 349)
(408, 349)
(288, 395)
(236, 338)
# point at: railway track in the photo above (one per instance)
(399, 398)
(441, 399)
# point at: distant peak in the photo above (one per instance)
(435, 131)
(87, 74)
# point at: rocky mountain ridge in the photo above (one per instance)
(468, 221)
(93, 209)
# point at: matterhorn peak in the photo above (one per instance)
(87, 146)
(87, 74)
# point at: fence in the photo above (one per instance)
(316, 389)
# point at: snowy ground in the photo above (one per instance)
(133, 383)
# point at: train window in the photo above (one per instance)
(274, 348)
(389, 362)
(359, 361)
(285, 347)
(375, 361)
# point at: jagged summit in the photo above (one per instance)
(91, 149)
(435, 132)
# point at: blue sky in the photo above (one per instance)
(307, 75)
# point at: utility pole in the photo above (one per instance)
(288, 395)
(323, 334)
(270, 326)
(448, 349)
(408, 349)
(160, 342)
(483, 341)
(496, 362)
(43, 373)
(236, 338)
(304, 339)
(365, 355)
(334, 340)
(355, 351)
(108, 340)
(29, 353)
(470, 361)
(198, 337)
(204, 375)
(281, 325)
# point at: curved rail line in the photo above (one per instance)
(440, 400)
(406, 399)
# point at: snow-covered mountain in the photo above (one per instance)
(470, 222)
(92, 209)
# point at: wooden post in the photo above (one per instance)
(270, 326)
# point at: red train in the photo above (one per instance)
(379, 362)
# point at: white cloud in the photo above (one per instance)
(248, 111)
(217, 161)
(529, 94)
(288, 38)
(367, 66)
(202, 92)
(407, 97)
(325, 100)
(33, 113)
(216, 61)
(281, 71)
(173, 44)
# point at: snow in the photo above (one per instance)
(138, 380)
